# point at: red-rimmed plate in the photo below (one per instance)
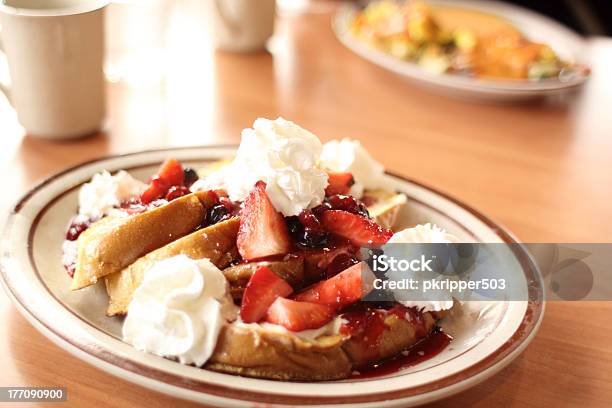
(486, 338)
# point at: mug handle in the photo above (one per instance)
(3, 88)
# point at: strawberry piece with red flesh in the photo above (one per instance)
(156, 189)
(298, 316)
(339, 183)
(261, 291)
(358, 229)
(263, 231)
(170, 174)
(342, 290)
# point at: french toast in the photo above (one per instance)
(216, 242)
(253, 351)
(111, 244)
(256, 277)
(259, 351)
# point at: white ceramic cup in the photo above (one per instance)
(242, 25)
(55, 51)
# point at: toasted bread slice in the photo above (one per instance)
(384, 206)
(291, 269)
(257, 351)
(253, 351)
(398, 335)
(207, 198)
(216, 242)
(111, 244)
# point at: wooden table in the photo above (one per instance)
(543, 170)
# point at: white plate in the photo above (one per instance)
(534, 26)
(35, 279)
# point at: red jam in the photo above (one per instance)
(340, 262)
(134, 206)
(70, 268)
(176, 191)
(366, 324)
(78, 224)
(427, 348)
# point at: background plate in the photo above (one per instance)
(534, 26)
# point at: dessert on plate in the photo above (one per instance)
(253, 265)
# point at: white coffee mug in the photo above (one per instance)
(242, 25)
(55, 51)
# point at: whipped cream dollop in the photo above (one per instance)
(433, 300)
(179, 309)
(423, 234)
(350, 156)
(284, 156)
(105, 192)
(310, 335)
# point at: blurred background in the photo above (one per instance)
(588, 17)
(166, 85)
(173, 76)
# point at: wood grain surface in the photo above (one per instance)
(544, 170)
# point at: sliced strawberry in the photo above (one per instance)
(261, 291)
(339, 183)
(157, 188)
(343, 289)
(171, 173)
(298, 316)
(263, 231)
(356, 228)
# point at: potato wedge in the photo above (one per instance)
(110, 245)
(216, 242)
